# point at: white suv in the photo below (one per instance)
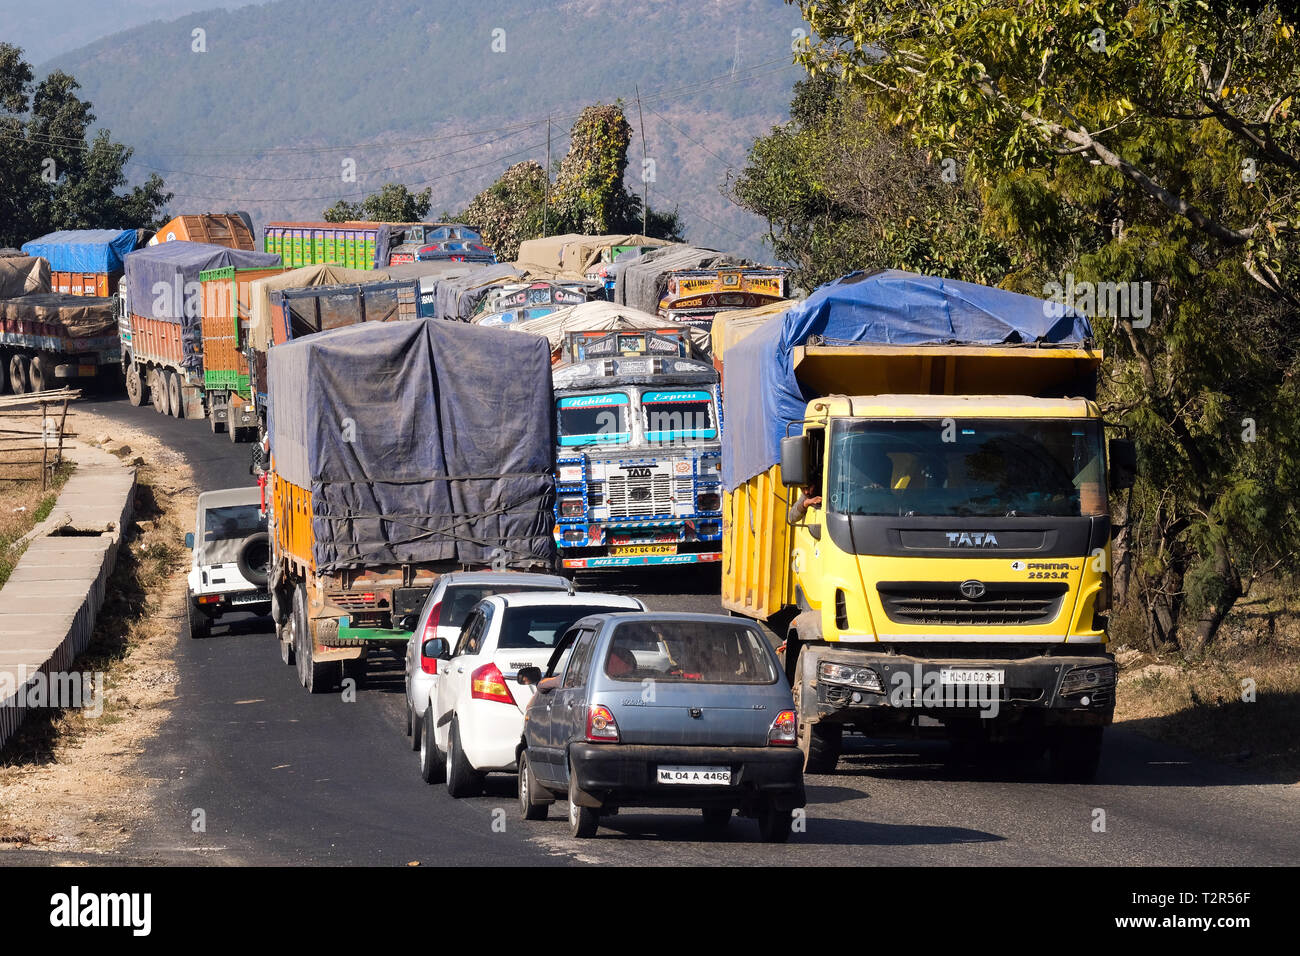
(475, 716)
(231, 556)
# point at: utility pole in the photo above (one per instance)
(645, 183)
(546, 207)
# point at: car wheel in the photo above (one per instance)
(773, 824)
(197, 622)
(583, 821)
(462, 779)
(530, 806)
(716, 819)
(1076, 753)
(431, 765)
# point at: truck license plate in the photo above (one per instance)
(972, 677)
(707, 776)
(634, 549)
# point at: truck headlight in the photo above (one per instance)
(1088, 677)
(571, 507)
(709, 501)
(863, 677)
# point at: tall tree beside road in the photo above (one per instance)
(1142, 159)
(393, 203)
(52, 176)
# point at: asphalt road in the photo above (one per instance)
(282, 777)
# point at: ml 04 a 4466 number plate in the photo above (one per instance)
(707, 776)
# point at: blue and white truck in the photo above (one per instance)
(639, 456)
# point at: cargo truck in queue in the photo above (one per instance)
(916, 478)
(399, 451)
(160, 321)
(638, 460)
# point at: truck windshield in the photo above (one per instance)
(678, 415)
(594, 420)
(974, 467)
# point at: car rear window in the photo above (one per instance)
(694, 651)
(460, 600)
(232, 521)
(525, 628)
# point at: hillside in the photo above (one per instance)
(287, 92)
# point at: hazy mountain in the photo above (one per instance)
(264, 107)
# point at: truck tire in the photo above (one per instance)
(462, 779)
(1075, 753)
(39, 373)
(18, 374)
(821, 742)
(175, 398)
(254, 559)
(432, 768)
(136, 391)
(157, 390)
(196, 622)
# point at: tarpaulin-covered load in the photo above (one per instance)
(582, 254)
(23, 275)
(158, 277)
(84, 250)
(642, 282)
(79, 315)
(602, 317)
(763, 397)
(731, 326)
(545, 255)
(260, 312)
(455, 298)
(424, 441)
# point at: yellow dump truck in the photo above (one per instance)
(916, 483)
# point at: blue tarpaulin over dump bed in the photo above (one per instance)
(890, 307)
(421, 442)
(84, 250)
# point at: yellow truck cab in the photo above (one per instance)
(934, 539)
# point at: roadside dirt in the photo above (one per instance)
(68, 780)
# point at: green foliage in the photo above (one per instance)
(1147, 141)
(393, 203)
(842, 189)
(51, 177)
(510, 210)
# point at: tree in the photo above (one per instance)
(393, 203)
(1146, 142)
(52, 177)
(842, 189)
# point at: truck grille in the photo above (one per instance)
(639, 497)
(942, 604)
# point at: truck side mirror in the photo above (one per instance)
(794, 460)
(1123, 463)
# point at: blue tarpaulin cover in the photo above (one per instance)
(421, 442)
(891, 307)
(84, 250)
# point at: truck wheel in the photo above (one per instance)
(462, 779)
(158, 391)
(18, 374)
(821, 742)
(136, 392)
(217, 426)
(532, 806)
(254, 558)
(321, 677)
(196, 621)
(37, 374)
(432, 768)
(175, 398)
(1075, 753)
(583, 821)
(773, 824)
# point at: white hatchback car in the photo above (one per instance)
(443, 614)
(475, 714)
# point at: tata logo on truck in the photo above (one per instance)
(971, 539)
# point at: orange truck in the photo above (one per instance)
(234, 230)
(85, 261)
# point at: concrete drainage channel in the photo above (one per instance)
(49, 604)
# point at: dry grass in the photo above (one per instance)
(67, 779)
(1205, 705)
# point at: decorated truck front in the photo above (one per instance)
(638, 463)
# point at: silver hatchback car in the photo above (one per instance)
(662, 710)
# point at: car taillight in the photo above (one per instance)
(601, 725)
(487, 683)
(784, 730)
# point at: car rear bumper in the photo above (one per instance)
(625, 774)
(225, 602)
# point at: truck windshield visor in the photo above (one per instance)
(593, 420)
(967, 467)
(675, 416)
